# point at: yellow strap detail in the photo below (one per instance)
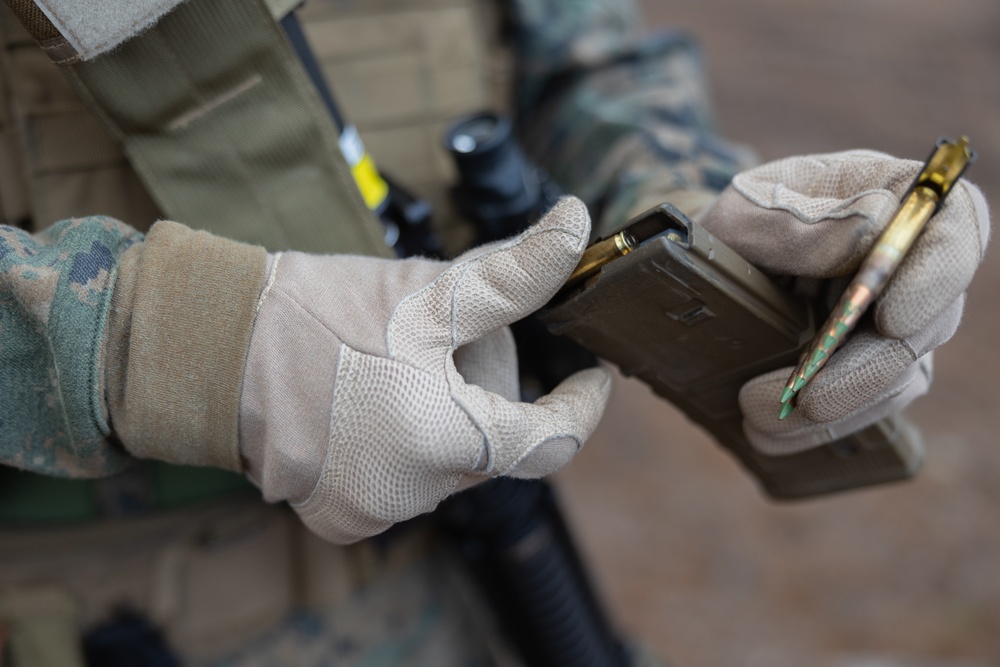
(373, 187)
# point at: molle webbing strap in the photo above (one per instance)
(33, 19)
(219, 119)
(40, 27)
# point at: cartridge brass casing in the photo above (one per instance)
(939, 174)
(600, 254)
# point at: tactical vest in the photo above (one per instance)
(170, 125)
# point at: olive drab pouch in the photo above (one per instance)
(219, 119)
(692, 319)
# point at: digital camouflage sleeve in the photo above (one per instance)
(619, 120)
(622, 122)
(55, 292)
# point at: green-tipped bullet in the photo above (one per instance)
(787, 394)
(939, 174)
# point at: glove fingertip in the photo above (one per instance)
(582, 398)
(594, 382)
(517, 277)
(570, 215)
(760, 401)
(866, 367)
(549, 456)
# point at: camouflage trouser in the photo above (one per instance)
(240, 583)
(418, 616)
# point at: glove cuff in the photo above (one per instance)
(182, 314)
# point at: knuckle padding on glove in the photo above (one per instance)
(583, 396)
(509, 283)
(824, 210)
(567, 416)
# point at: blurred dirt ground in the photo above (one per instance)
(691, 558)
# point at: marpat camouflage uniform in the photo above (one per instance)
(55, 292)
(619, 120)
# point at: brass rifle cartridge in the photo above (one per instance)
(599, 255)
(940, 173)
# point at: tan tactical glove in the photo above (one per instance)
(363, 397)
(816, 217)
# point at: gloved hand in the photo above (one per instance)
(817, 217)
(363, 396)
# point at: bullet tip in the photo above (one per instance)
(787, 394)
(786, 410)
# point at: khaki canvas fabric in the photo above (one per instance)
(92, 28)
(401, 71)
(189, 572)
(232, 582)
(218, 117)
(57, 160)
(178, 336)
(40, 626)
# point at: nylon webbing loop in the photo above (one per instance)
(33, 19)
(218, 117)
(41, 29)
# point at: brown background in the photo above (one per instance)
(690, 556)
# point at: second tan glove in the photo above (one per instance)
(817, 217)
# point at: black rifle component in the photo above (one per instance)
(128, 639)
(498, 188)
(511, 532)
(503, 193)
(512, 535)
(406, 218)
